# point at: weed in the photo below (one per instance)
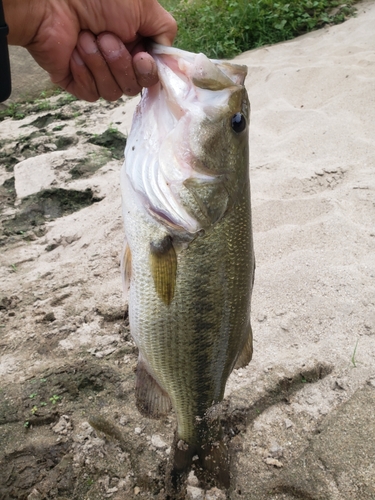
(19, 110)
(224, 28)
(34, 409)
(54, 399)
(33, 395)
(14, 268)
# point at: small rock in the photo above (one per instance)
(194, 493)
(123, 420)
(330, 170)
(284, 325)
(339, 384)
(157, 441)
(34, 495)
(192, 479)
(137, 490)
(273, 461)
(288, 423)
(105, 352)
(276, 451)
(215, 494)
(49, 317)
(137, 430)
(370, 323)
(63, 425)
(279, 312)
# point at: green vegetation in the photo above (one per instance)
(19, 110)
(112, 139)
(54, 399)
(224, 28)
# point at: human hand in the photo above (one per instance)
(92, 48)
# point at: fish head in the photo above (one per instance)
(193, 126)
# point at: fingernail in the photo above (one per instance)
(77, 58)
(87, 43)
(110, 46)
(145, 66)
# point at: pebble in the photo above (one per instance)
(273, 461)
(276, 451)
(137, 490)
(192, 479)
(62, 426)
(330, 170)
(288, 423)
(194, 493)
(35, 495)
(215, 494)
(284, 325)
(157, 441)
(137, 430)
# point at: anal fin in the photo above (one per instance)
(151, 400)
(246, 354)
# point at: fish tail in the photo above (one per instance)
(180, 462)
(211, 464)
(215, 464)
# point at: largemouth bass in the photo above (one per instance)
(188, 259)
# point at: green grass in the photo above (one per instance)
(224, 28)
(19, 110)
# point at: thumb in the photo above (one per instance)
(158, 24)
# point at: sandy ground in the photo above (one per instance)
(300, 416)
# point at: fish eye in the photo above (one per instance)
(238, 122)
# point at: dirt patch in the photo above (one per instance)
(113, 140)
(88, 166)
(46, 205)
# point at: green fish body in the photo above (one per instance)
(188, 259)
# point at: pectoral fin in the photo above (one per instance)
(152, 401)
(163, 261)
(246, 354)
(126, 266)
